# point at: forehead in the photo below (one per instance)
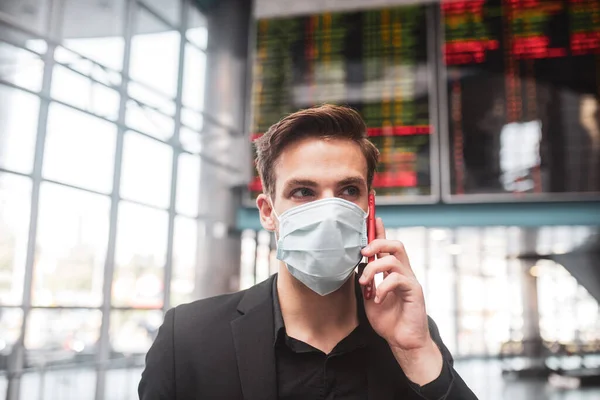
(321, 160)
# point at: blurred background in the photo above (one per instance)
(127, 181)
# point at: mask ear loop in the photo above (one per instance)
(276, 217)
(273, 207)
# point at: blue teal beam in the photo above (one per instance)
(487, 214)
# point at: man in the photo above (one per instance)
(310, 332)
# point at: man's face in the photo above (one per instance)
(313, 169)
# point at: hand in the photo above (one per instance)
(397, 311)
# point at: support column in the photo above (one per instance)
(226, 145)
(533, 347)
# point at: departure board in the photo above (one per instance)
(374, 61)
(523, 83)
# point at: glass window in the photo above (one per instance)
(185, 250)
(197, 32)
(146, 170)
(263, 256)
(79, 149)
(191, 119)
(89, 96)
(140, 256)
(106, 44)
(190, 140)
(64, 384)
(133, 331)
(90, 68)
(21, 67)
(470, 337)
(15, 198)
(567, 311)
(467, 248)
(414, 240)
(71, 247)
(194, 77)
(188, 184)
(18, 129)
(30, 13)
(11, 322)
(441, 284)
(247, 259)
(496, 313)
(149, 121)
(122, 383)
(168, 9)
(471, 293)
(494, 254)
(155, 54)
(58, 336)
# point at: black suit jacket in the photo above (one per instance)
(222, 348)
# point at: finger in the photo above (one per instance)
(367, 290)
(395, 281)
(380, 233)
(379, 229)
(392, 247)
(387, 264)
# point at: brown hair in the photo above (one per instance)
(325, 122)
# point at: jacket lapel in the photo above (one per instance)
(253, 340)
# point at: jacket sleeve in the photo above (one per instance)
(457, 388)
(158, 378)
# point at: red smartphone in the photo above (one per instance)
(369, 288)
(371, 222)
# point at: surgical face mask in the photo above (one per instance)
(320, 242)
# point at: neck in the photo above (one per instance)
(321, 321)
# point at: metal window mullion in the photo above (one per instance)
(99, 308)
(10, 171)
(168, 272)
(12, 23)
(194, 45)
(83, 110)
(484, 279)
(149, 9)
(121, 125)
(456, 295)
(104, 342)
(13, 389)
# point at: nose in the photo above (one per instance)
(327, 193)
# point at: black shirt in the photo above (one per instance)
(304, 372)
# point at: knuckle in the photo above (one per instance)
(396, 277)
(399, 245)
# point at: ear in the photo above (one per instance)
(265, 210)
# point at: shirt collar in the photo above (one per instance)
(279, 325)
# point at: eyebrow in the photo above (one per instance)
(354, 180)
(299, 182)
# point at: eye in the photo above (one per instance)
(302, 193)
(351, 191)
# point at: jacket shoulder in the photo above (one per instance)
(206, 314)
(210, 310)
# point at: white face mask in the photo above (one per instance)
(320, 242)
